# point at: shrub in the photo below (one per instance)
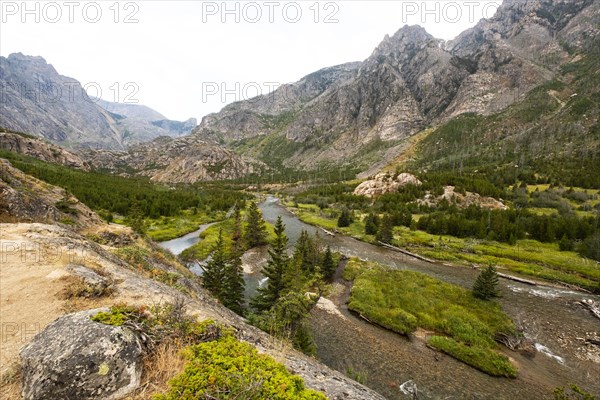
(229, 369)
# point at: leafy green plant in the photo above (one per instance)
(230, 369)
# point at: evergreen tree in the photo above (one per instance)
(274, 271)
(371, 224)
(328, 264)
(214, 270)
(256, 232)
(565, 244)
(233, 285)
(345, 219)
(385, 233)
(136, 217)
(486, 285)
(304, 252)
(232, 293)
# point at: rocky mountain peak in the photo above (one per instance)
(406, 40)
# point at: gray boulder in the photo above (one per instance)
(77, 358)
(97, 285)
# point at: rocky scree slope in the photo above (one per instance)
(184, 160)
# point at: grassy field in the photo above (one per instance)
(168, 228)
(526, 257)
(402, 301)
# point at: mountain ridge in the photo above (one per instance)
(38, 100)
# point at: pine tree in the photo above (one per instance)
(256, 233)
(212, 278)
(386, 230)
(328, 264)
(486, 285)
(303, 252)
(232, 293)
(274, 271)
(136, 217)
(345, 219)
(371, 224)
(233, 285)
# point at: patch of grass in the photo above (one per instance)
(527, 257)
(482, 358)
(201, 250)
(403, 301)
(168, 228)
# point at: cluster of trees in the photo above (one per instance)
(116, 194)
(293, 287)
(223, 274)
(281, 307)
(508, 226)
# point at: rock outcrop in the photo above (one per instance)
(26, 199)
(185, 160)
(385, 183)
(77, 358)
(463, 200)
(40, 149)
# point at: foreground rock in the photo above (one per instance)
(77, 358)
(385, 183)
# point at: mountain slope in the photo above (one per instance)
(411, 81)
(360, 116)
(139, 123)
(38, 100)
(183, 160)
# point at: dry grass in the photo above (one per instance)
(10, 383)
(159, 368)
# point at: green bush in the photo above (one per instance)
(229, 369)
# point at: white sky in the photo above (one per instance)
(180, 55)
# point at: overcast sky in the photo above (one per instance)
(190, 58)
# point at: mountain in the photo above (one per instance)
(362, 116)
(38, 100)
(356, 114)
(143, 124)
(40, 149)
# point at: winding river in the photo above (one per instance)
(386, 361)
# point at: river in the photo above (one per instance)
(551, 317)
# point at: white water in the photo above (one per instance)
(546, 351)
